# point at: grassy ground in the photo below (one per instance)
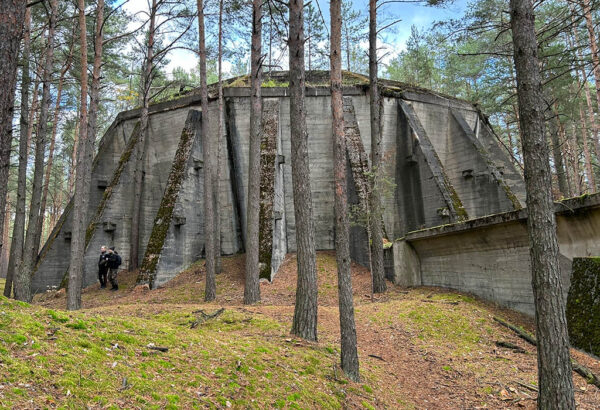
(419, 348)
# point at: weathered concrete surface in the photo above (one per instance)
(174, 241)
(407, 266)
(428, 142)
(489, 256)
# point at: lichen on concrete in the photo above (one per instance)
(162, 221)
(583, 305)
(95, 221)
(268, 154)
(123, 160)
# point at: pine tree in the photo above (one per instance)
(305, 310)
(252, 284)
(349, 353)
(554, 366)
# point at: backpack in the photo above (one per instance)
(118, 260)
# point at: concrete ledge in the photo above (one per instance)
(567, 206)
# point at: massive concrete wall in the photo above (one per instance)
(489, 257)
(425, 151)
(54, 256)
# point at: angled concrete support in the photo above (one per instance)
(162, 232)
(456, 210)
(494, 172)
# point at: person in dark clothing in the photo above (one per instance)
(114, 260)
(103, 267)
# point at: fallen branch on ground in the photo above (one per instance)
(508, 345)
(447, 302)
(377, 357)
(580, 369)
(586, 373)
(160, 349)
(202, 316)
(520, 332)
(527, 386)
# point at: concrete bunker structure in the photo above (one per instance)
(448, 173)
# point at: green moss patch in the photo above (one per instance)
(583, 305)
(104, 360)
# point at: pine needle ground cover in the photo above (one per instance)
(419, 348)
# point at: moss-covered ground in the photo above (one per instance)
(418, 348)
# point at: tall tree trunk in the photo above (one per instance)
(347, 48)
(555, 131)
(309, 41)
(564, 152)
(210, 290)
(50, 161)
(22, 280)
(73, 165)
(140, 150)
(518, 140)
(16, 248)
(12, 18)
(511, 146)
(589, 171)
(377, 273)
(587, 13)
(574, 159)
(555, 380)
(92, 120)
(252, 284)
(582, 79)
(572, 41)
(5, 250)
(80, 198)
(305, 310)
(270, 40)
(33, 113)
(349, 354)
(220, 139)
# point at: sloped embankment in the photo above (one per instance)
(418, 348)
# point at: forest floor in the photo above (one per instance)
(418, 348)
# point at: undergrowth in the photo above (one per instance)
(86, 359)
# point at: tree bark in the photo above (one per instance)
(574, 159)
(305, 310)
(349, 353)
(5, 250)
(73, 164)
(375, 213)
(589, 171)
(582, 80)
(12, 18)
(210, 290)
(50, 161)
(92, 121)
(557, 156)
(554, 366)
(220, 139)
(252, 284)
(22, 280)
(140, 150)
(16, 248)
(80, 197)
(587, 13)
